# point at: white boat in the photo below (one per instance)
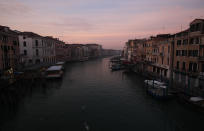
(155, 84)
(60, 63)
(157, 89)
(54, 72)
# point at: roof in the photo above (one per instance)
(197, 20)
(7, 30)
(55, 68)
(30, 34)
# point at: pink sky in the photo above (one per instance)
(110, 23)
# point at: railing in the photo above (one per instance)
(201, 58)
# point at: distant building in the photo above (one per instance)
(60, 50)
(95, 50)
(49, 52)
(9, 49)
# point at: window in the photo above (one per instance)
(5, 39)
(154, 69)
(197, 40)
(24, 44)
(14, 42)
(177, 65)
(195, 53)
(185, 53)
(37, 52)
(195, 67)
(184, 66)
(165, 72)
(190, 66)
(176, 52)
(167, 61)
(182, 53)
(197, 27)
(178, 42)
(25, 52)
(190, 53)
(36, 42)
(192, 28)
(185, 42)
(191, 41)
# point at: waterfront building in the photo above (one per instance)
(95, 50)
(76, 52)
(110, 52)
(9, 49)
(31, 48)
(67, 49)
(160, 56)
(60, 50)
(188, 58)
(49, 52)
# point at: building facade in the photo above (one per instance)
(9, 49)
(31, 48)
(188, 58)
(49, 52)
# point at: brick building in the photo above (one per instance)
(9, 49)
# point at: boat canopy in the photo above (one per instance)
(60, 63)
(157, 84)
(55, 68)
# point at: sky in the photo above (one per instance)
(107, 22)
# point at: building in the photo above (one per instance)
(160, 56)
(9, 49)
(95, 50)
(49, 52)
(79, 52)
(188, 57)
(31, 48)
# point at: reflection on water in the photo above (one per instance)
(91, 97)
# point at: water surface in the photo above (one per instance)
(91, 97)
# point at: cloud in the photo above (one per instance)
(73, 24)
(109, 22)
(12, 8)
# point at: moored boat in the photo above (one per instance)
(54, 72)
(61, 63)
(157, 89)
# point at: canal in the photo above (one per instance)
(91, 97)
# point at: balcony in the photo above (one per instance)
(201, 58)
